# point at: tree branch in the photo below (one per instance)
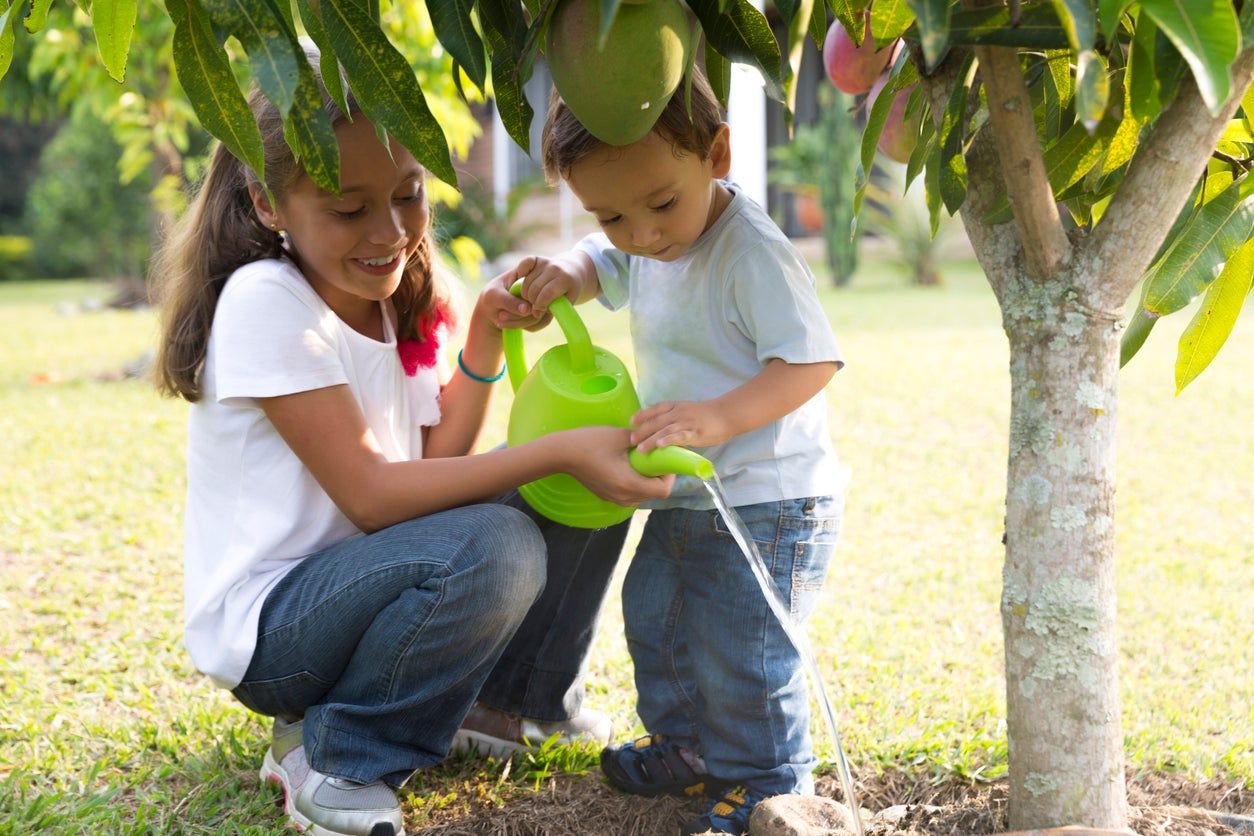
(1045, 244)
(1159, 181)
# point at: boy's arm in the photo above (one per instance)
(768, 396)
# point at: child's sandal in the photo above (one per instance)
(655, 766)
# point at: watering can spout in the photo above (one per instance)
(678, 460)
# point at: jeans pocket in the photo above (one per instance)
(812, 526)
(284, 696)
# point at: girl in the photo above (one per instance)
(338, 576)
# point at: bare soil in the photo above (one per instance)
(584, 804)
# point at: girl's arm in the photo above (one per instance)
(768, 396)
(327, 431)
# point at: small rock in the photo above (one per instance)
(893, 815)
(800, 815)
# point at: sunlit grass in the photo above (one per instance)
(106, 727)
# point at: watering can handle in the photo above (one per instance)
(578, 341)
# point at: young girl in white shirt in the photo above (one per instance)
(347, 570)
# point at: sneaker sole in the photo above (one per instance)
(274, 773)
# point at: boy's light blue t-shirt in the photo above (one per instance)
(706, 323)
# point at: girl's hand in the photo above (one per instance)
(503, 309)
(685, 423)
(545, 279)
(597, 457)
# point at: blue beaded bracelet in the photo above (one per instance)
(461, 365)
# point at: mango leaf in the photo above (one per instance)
(1144, 89)
(1108, 16)
(113, 21)
(889, 21)
(38, 15)
(1202, 247)
(311, 17)
(6, 35)
(953, 165)
(818, 24)
(931, 189)
(849, 13)
(1059, 92)
(922, 151)
(1078, 20)
(1135, 335)
(1038, 28)
(1124, 143)
(456, 32)
(274, 63)
(385, 86)
(718, 71)
(1092, 89)
(798, 23)
(1247, 23)
(1214, 320)
(206, 77)
(906, 74)
(506, 36)
(309, 132)
(1207, 35)
(1247, 101)
(1238, 130)
(932, 20)
(742, 34)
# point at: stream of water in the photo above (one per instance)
(796, 635)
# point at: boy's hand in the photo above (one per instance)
(545, 279)
(685, 423)
(505, 310)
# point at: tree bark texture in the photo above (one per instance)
(1064, 732)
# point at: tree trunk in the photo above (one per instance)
(1058, 600)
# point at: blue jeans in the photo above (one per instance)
(383, 642)
(714, 669)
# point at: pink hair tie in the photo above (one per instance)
(422, 354)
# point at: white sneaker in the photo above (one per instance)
(324, 805)
(500, 734)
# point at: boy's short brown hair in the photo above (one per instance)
(565, 141)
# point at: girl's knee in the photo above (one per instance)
(513, 551)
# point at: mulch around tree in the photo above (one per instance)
(1159, 804)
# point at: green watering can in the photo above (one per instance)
(577, 385)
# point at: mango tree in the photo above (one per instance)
(1124, 113)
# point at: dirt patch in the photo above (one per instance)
(583, 804)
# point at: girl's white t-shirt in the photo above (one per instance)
(254, 511)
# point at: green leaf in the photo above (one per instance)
(931, 189)
(113, 21)
(1206, 34)
(206, 77)
(1238, 130)
(506, 33)
(6, 36)
(743, 35)
(889, 21)
(456, 32)
(1079, 22)
(1092, 89)
(953, 165)
(921, 153)
(875, 119)
(1247, 101)
(384, 85)
(798, 23)
(1144, 89)
(38, 16)
(328, 64)
(1202, 247)
(310, 134)
(718, 71)
(1108, 16)
(818, 24)
(850, 15)
(1135, 335)
(1059, 92)
(1214, 320)
(1067, 160)
(932, 19)
(272, 57)
(1038, 28)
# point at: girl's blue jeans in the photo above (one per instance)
(383, 642)
(714, 669)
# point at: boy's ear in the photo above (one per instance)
(263, 208)
(720, 152)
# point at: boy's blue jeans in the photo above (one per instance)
(383, 641)
(714, 669)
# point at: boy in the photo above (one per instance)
(732, 352)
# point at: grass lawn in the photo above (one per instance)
(106, 728)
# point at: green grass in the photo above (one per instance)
(106, 727)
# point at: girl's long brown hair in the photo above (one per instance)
(220, 233)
